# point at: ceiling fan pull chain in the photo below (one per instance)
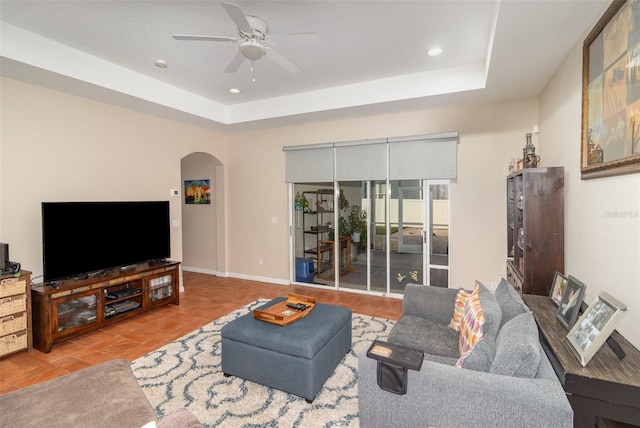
(253, 72)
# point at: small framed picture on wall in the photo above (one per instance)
(570, 304)
(197, 192)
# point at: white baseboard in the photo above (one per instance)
(259, 278)
(200, 270)
(236, 275)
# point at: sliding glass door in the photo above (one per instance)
(372, 236)
(369, 216)
(438, 234)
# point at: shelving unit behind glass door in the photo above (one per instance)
(317, 224)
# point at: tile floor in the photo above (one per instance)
(206, 298)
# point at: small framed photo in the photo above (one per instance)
(595, 326)
(570, 303)
(557, 288)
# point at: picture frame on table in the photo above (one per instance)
(595, 326)
(569, 306)
(611, 94)
(557, 288)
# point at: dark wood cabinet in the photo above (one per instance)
(535, 228)
(74, 307)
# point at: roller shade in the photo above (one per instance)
(361, 160)
(425, 157)
(309, 164)
(421, 157)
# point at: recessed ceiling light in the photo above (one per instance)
(161, 63)
(435, 52)
(235, 90)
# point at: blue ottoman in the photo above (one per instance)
(297, 358)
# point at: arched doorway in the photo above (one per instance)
(203, 223)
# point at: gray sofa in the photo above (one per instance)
(104, 395)
(506, 381)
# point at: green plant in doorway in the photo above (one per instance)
(357, 224)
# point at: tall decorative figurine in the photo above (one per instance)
(529, 154)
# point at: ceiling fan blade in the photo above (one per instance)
(235, 63)
(238, 17)
(204, 38)
(300, 33)
(282, 61)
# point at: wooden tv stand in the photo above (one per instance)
(74, 307)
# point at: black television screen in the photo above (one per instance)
(81, 238)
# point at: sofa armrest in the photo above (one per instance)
(433, 303)
(441, 395)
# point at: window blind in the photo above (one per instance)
(309, 164)
(361, 160)
(425, 157)
(420, 157)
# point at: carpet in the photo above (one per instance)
(187, 373)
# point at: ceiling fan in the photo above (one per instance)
(253, 41)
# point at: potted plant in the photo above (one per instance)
(301, 202)
(344, 229)
(357, 221)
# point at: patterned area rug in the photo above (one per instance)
(187, 373)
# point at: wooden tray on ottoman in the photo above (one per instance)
(281, 314)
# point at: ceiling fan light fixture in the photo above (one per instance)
(252, 50)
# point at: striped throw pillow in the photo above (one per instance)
(470, 326)
(458, 307)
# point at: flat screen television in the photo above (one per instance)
(85, 238)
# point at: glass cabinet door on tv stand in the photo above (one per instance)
(75, 311)
(160, 288)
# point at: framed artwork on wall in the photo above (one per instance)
(197, 192)
(611, 93)
(595, 325)
(557, 288)
(570, 304)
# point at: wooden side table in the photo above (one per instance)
(607, 388)
(326, 257)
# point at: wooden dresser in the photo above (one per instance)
(15, 313)
(607, 390)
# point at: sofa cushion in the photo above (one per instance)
(491, 310)
(480, 355)
(510, 301)
(426, 335)
(517, 348)
(458, 307)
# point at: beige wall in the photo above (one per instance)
(602, 216)
(490, 135)
(58, 147)
(61, 147)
